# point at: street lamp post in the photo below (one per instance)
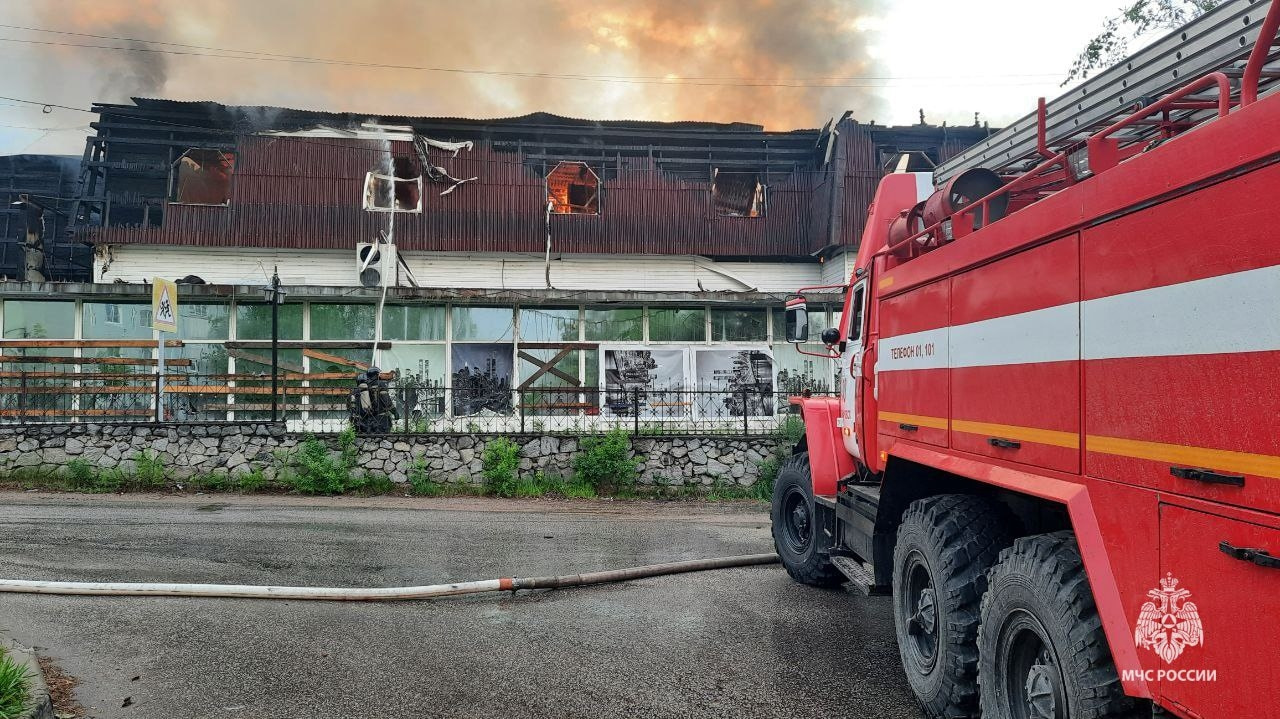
(277, 298)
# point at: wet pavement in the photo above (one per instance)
(741, 642)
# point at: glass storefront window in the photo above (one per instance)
(331, 321)
(615, 325)
(204, 321)
(412, 322)
(253, 321)
(549, 324)
(116, 321)
(33, 319)
(817, 323)
(738, 325)
(677, 325)
(483, 323)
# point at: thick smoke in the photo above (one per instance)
(735, 54)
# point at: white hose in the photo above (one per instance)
(356, 594)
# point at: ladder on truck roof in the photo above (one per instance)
(1218, 41)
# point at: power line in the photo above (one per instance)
(868, 81)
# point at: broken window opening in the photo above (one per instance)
(203, 177)
(398, 192)
(737, 193)
(573, 188)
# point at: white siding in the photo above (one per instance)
(839, 268)
(225, 265)
(643, 273)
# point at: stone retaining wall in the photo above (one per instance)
(204, 449)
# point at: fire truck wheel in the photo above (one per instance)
(797, 534)
(945, 546)
(1042, 652)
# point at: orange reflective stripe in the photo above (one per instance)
(1070, 440)
(918, 420)
(1178, 454)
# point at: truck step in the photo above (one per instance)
(859, 575)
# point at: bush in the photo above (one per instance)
(15, 688)
(605, 464)
(317, 471)
(252, 481)
(150, 469)
(372, 484)
(500, 463)
(81, 475)
(421, 482)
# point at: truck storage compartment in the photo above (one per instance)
(1181, 341)
(911, 365)
(1015, 357)
(1212, 609)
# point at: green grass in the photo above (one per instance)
(15, 687)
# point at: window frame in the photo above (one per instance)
(365, 196)
(175, 173)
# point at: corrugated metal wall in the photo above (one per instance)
(307, 193)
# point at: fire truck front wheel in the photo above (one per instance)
(1042, 652)
(944, 547)
(798, 535)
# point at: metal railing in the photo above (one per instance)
(319, 403)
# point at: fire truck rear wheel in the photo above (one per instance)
(798, 535)
(944, 548)
(1042, 652)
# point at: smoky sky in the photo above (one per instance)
(719, 45)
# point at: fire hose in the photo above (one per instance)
(373, 594)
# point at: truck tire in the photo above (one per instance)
(944, 548)
(1041, 648)
(797, 534)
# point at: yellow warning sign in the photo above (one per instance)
(164, 305)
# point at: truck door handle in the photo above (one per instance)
(1207, 476)
(1259, 557)
(1003, 443)
(907, 427)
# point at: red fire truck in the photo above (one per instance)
(1057, 441)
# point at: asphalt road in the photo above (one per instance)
(740, 642)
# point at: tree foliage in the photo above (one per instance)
(1135, 20)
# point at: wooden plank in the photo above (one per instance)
(144, 412)
(35, 344)
(262, 359)
(291, 376)
(176, 389)
(307, 344)
(130, 361)
(261, 407)
(89, 376)
(222, 389)
(548, 366)
(335, 359)
(559, 345)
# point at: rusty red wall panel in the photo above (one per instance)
(306, 193)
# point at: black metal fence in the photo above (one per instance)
(320, 404)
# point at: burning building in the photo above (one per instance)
(417, 242)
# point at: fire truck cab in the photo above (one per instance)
(1057, 440)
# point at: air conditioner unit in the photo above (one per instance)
(376, 264)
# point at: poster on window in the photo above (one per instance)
(648, 381)
(481, 379)
(734, 383)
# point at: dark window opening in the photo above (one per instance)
(397, 192)
(737, 194)
(203, 177)
(855, 323)
(573, 188)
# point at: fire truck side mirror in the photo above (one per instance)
(797, 320)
